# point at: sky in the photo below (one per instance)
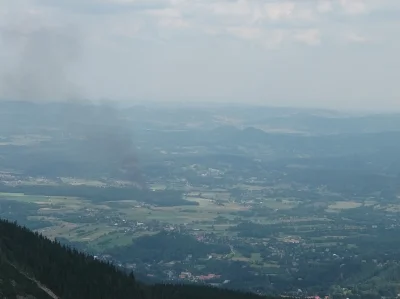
(339, 54)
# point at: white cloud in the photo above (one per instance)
(165, 12)
(250, 33)
(181, 47)
(324, 6)
(257, 11)
(353, 6)
(238, 8)
(274, 39)
(356, 38)
(173, 23)
(247, 17)
(168, 18)
(279, 11)
(310, 37)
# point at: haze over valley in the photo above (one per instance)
(177, 149)
(267, 200)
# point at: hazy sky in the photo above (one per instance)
(330, 53)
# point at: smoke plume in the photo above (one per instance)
(108, 137)
(43, 58)
(41, 72)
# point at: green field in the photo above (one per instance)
(103, 235)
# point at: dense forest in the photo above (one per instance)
(32, 265)
(152, 248)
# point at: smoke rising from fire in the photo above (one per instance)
(43, 73)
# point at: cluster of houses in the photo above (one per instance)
(189, 276)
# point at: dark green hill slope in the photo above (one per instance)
(14, 282)
(32, 266)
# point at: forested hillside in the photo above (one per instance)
(31, 265)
